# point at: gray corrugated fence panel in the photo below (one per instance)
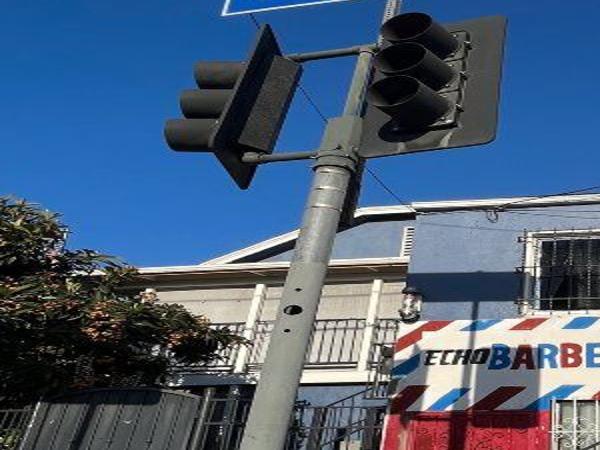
(115, 419)
(128, 422)
(97, 437)
(142, 434)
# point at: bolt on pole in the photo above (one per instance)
(336, 162)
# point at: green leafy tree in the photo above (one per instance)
(68, 320)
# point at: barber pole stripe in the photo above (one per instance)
(560, 393)
(448, 399)
(480, 325)
(496, 398)
(406, 398)
(416, 335)
(580, 323)
(406, 367)
(529, 324)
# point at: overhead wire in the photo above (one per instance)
(576, 191)
(389, 190)
(320, 113)
(492, 218)
(300, 87)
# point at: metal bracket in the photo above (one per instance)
(333, 53)
(339, 146)
(263, 158)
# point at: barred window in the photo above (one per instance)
(564, 271)
(575, 425)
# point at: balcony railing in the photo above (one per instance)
(335, 343)
(227, 357)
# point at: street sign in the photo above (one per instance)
(234, 7)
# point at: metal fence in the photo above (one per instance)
(335, 342)
(352, 423)
(348, 424)
(13, 424)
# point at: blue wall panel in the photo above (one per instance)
(465, 264)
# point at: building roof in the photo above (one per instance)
(244, 260)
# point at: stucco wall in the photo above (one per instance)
(369, 240)
(465, 264)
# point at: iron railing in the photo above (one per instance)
(13, 424)
(350, 424)
(380, 358)
(226, 357)
(334, 342)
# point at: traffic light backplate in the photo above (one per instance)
(473, 120)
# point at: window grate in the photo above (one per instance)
(575, 424)
(562, 270)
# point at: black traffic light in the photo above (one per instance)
(239, 107)
(433, 86)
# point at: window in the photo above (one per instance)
(562, 270)
(575, 425)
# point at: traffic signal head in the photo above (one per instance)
(433, 86)
(239, 107)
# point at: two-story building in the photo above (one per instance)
(503, 355)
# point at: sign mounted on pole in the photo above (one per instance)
(234, 7)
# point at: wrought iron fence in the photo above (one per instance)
(348, 424)
(13, 423)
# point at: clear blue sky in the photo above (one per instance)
(85, 86)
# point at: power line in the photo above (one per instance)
(553, 215)
(300, 87)
(253, 19)
(469, 227)
(576, 191)
(389, 190)
(312, 103)
(324, 119)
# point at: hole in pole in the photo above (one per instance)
(287, 330)
(292, 310)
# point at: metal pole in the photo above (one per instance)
(273, 404)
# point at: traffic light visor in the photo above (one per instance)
(422, 29)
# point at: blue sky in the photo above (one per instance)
(86, 85)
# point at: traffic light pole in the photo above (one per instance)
(336, 163)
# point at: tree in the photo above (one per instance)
(68, 320)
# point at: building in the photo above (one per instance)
(503, 355)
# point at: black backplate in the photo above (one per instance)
(475, 124)
(257, 107)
